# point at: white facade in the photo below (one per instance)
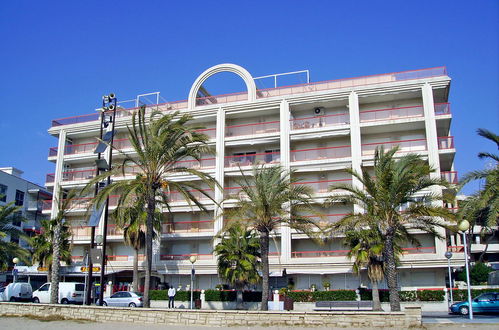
(318, 129)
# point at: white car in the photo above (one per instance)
(17, 292)
(69, 293)
(124, 299)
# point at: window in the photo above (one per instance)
(3, 193)
(45, 287)
(17, 218)
(19, 198)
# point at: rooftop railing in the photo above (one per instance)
(252, 129)
(414, 145)
(445, 142)
(320, 121)
(391, 114)
(252, 159)
(271, 92)
(320, 153)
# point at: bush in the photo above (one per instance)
(431, 295)
(479, 273)
(308, 296)
(420, 295)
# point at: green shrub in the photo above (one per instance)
(408, 296)
(307, 296)
(412, 295)
(217, 295)
(158, 294)
(431, 295)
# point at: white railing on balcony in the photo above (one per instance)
(442, 109)
(252, 129)
(450, 176)
(445, 142)
(320, 153)
(415, 145)
(391, 114)
(319, 121)
(252, 159)
(185, 256)
(322, 186)
(187, 226)
(175, 196)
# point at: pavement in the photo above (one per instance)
(440, 318)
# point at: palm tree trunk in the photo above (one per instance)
(239, 296)
(56, 244)
(135, 283)
(264, 247)
(151, 207)
(391, 274)
(376, 300)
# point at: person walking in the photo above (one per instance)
(171, 297)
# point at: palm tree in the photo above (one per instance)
(269, 197)
(41, 245)
(160, 142)
(8, 250)
(64, 201)
(238, 258)
(366, 247)
(391, 206)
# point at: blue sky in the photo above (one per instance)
(58, 58)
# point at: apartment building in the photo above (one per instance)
(318, 129)
(27, 196)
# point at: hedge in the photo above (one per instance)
(419, 295)
(308, 296)
(180, 296)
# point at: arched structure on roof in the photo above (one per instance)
(226, 67)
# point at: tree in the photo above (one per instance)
(479, 274)
(238, 258)
(42, 246)
(9, 250)
(160, 143)
(394, 199)
(270, 197)
(366, 248)
(64, 201)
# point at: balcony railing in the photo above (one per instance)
(205, 163)
(175, 196)
(252, 129)
(187, 226)
(418, 250)
(82, 203)
(252, 159)
(442, 109)
(185, 256)
(327, 219)
(320, 153)
(78, 175)
(319, 254)
(271, 92)
(450, 176)
(113, 230)
(49, 178)
(53, 152)
(391, 114)
(445, 142)
(404, 146)
(320, 187)
(320, 121)
(81, 232)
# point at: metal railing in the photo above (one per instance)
(252, 159)
(185, 256)
(80, 232)
(450, 176)
(187, 226)
(205, 163)
(252, 129)
(175, 196)
(442, 109)
(320, 121)
(391, 114)
(320, 153)
(418, 250)
(404, 146)
(322, 186)
(445, 142)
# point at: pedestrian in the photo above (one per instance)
(171, 297)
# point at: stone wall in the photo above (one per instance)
(410, 318)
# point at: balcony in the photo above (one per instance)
(204, 164)
(326, 219)
(113, 230)
(175, 196)
(319, 254)
(321, 187)
(187, 226)
(82, 203)
(450, 176)
(320, 121)
(419, 250)
(442, 109)
(252, 129)
(249, 159)
(391, 114)
(167, 257)
(50, 178)
(445, 142)
(81, 232)
(320, 153)
(416, 145)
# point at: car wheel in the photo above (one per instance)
(104, 303)
(12, 299)
(36, 300)
(464, 310)
(132, 305)
(64, 301)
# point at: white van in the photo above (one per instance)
(17, 292)
(69, 293)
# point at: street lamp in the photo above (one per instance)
(192, 259)
(448, 255)
(463, 226)
(14, 271)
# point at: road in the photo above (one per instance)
(437, 321)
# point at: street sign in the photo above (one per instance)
(94, 269)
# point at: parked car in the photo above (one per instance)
(124, 299)
(69, 293)
(484, 303)
(17, 292)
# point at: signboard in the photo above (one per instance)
(96, 215)
(94, 269)
(42, 269)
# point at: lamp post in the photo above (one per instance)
(448, 255)
(192, 259)
(463, 227)
(14, 271)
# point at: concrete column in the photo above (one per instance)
(355, 141)
(219, 169)
(58, 172)
(285, 163)
(433, 155)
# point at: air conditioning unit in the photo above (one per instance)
(318, 111)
